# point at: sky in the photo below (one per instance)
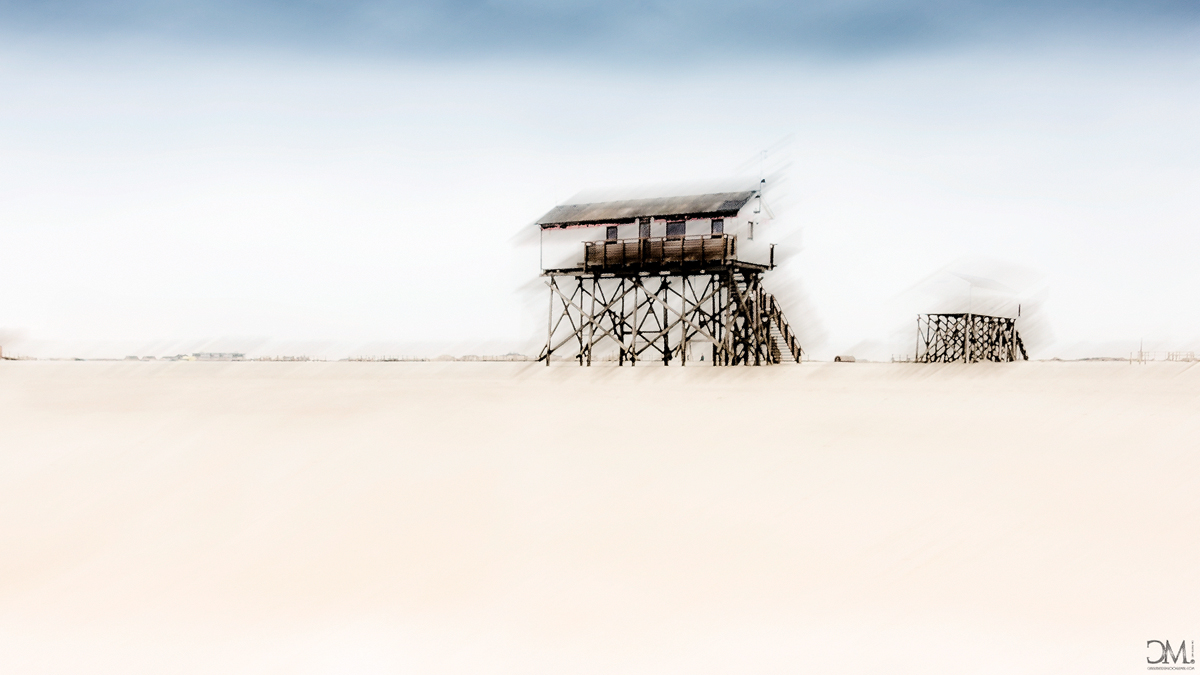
(337, 179)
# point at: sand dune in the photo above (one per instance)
(510, 518)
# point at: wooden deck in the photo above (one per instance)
(695, 251)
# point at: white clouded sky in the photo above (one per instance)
(155, 195)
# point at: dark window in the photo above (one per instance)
(676, 229)
(611, 232)
(718, 226)
(644, 228)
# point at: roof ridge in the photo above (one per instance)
(710, 204)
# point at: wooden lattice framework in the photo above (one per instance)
(947, 338)
(665, 315)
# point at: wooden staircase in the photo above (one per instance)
(780, 338)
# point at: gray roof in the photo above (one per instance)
(717, 204)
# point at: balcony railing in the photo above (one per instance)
(694, 250)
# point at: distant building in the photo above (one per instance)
(218, 356)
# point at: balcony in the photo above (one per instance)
(695, 251)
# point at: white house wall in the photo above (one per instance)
(563, 248)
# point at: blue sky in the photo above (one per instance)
(353, 177)
(592, 29)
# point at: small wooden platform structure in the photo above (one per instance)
(947, 338)
(675, 289)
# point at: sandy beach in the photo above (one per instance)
(505, 518)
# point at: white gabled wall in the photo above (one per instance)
(758, 249)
